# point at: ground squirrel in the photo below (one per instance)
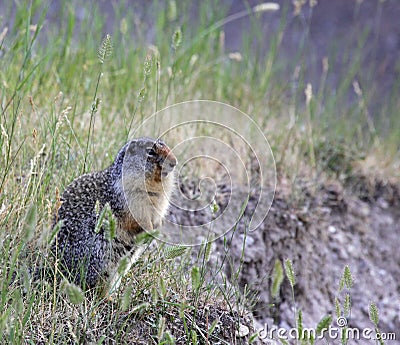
(136, 188)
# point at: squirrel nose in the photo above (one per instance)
(172, 161)
(169, 163)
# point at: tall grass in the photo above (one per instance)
(61, 116)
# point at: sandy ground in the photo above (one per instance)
(330, 226)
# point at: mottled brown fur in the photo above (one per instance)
(136, 188)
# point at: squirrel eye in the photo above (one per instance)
(151, 152)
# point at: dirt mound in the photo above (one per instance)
(328, 227)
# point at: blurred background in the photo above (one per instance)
(357, 39)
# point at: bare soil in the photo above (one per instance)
(322, 229)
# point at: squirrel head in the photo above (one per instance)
(147, 160)
(143, 173)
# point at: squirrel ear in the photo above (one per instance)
(131, 146)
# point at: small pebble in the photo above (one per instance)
(243, 331)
